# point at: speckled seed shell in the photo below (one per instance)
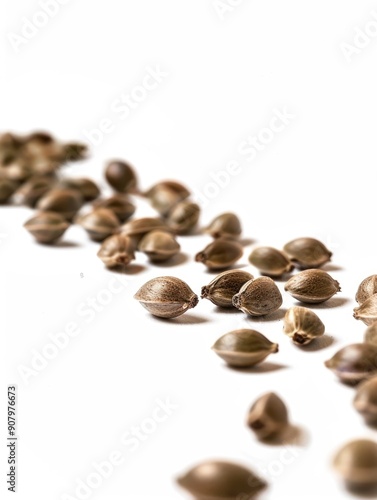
(218, 480)
(302, 325)
(116, 251)
(258, 297)
(220, 254)
(356, 462)
(244, 347)
(366, 289)
(354, 362)
(226, 225)
(221, 289)
(367, 312)
(365, 400)
(306, 253)
(47, 227)
(99, 224)
(270, 261)
(370, 335)
(159, 246)
(166, 297)
(268, 416)
(312, 286)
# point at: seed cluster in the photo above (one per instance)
(30, 175)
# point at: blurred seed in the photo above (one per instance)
(307, 253)
(244, 347)
(365, 400)
(354, 362)
(17, 172)
(218, 480)
(370, 335)
(183, 217)
(356, 462)
(302, 325)
(137, 228)
(7, 188)
(10, 145)
(121, 176)
(268, 417)
(367, 312)
(32, 190)
(220, 254)
(165, 195)
(73, 151)
(366, 289)
(119, 203)
(221, 289)
(270, 261)
(99, 224)
(226, 225)
(86, 187)
(66, 202)
(166, 297)
(258, 297)
(47, 227)
(159, 245)
(312, 286)
(116, 251)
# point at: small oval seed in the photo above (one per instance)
(165, 195)
(258, 297)
(221, 289)
(307, 253)
(183, 217)
(268, 416)
(99, 223)
(159, 246)
(356, 462)
(117, 251)
(226, 225)
(270, 261)
(354, 362)
(302, 325)
(220, 254)
(312, 286)
(47, 227)
(66, 202)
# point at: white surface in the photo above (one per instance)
(316, 178)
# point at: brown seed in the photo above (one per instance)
(244, 347)
(218, 480)
(307, 253)
(370, 335)
(33, 189)
(270, 261)
(226, 225)
(221, 289)
(10, 145)
(7, 188)
(166, 297)
(165, 195)
(354, 362)
(365, 400)
(302, 325)
(121, 176)
(47, 227)
(137, 228)
(258, 297)
(312, 286)
(268, 417)
(86, 187)
(356, 462)
(183, 217)
(99, 224)
(116, 251)
(159, 246)
(73, 151)
(367, 312)
(119, 203)
(367, 288)
(220, 254)
(66, 202)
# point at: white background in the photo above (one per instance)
(225, 77)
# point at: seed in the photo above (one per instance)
(367, 312)
(365, 400)
(367, 288)
(86, 187)
(165, 195)
(166, 297)
(370, 335)
(116, 251)
(74, 151)
(99, 224)
(307, 253)
(270, 261)
(119, 203)
(66, 202)
(137, 228)
(121, 176)
(354, 362)
(312, 286)
(218, 480)
(17, 172)
(220, 254)
(302, 325)
(244, 347)
(221, 289)
(159, 245)
(258, 297)
(226, 225)
(33, 189)
(7, 188)
(10, 145)
(47, 227)
(268, 417)
(183, 217)
(356, 462)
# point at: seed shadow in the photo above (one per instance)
(364, 491)
(280, 279)
(177, 260)
(186, 319)
(265, 367)
(331, 267)
(328, 304)
(292, 435)
(227, 310)
(317, 344)
(276, 315)
(63, 244)
(129, 269)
